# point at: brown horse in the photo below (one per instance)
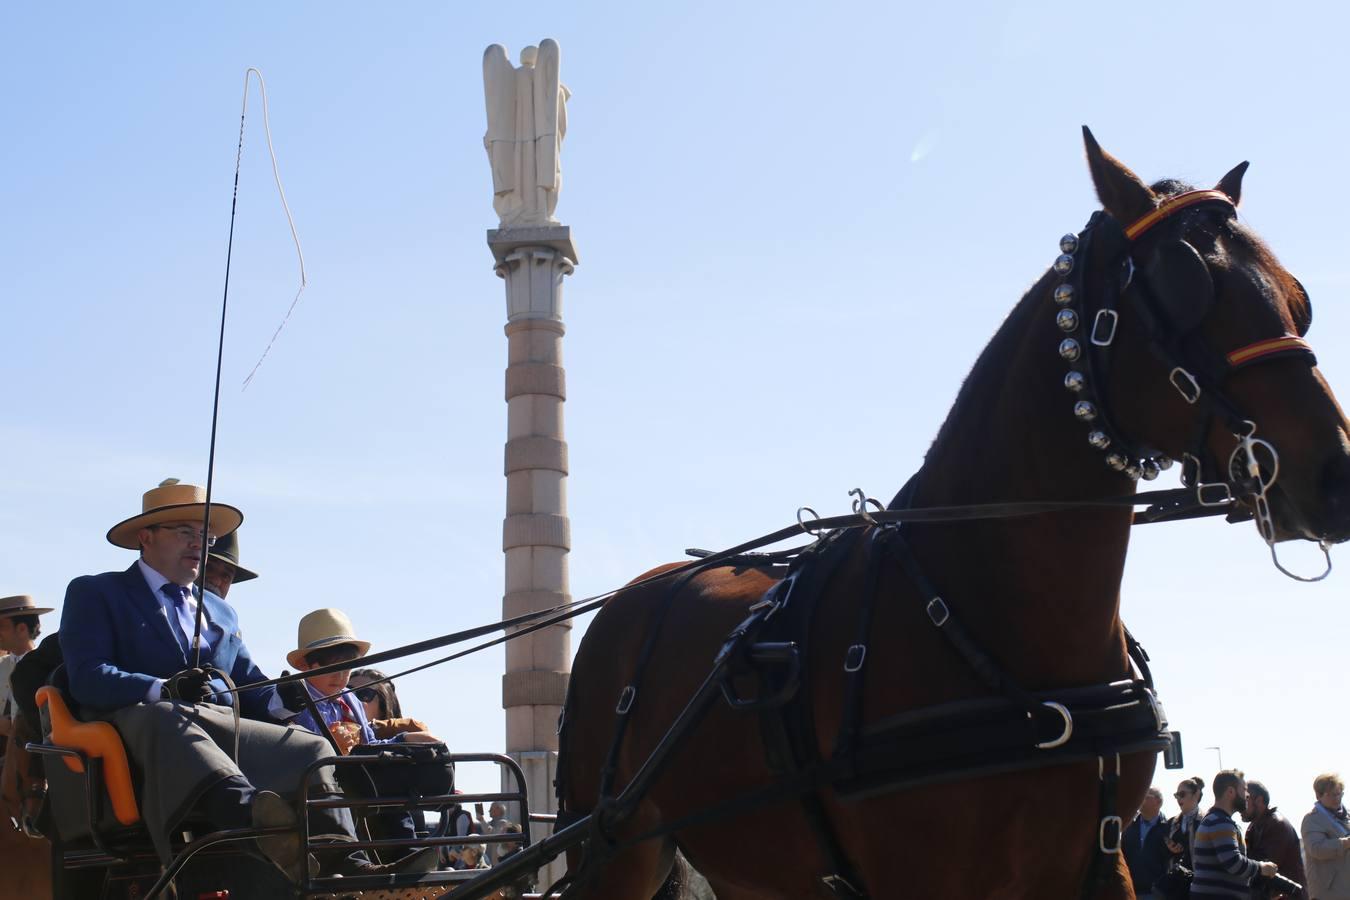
(1040, 594)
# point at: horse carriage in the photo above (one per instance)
(947, 672)
(100, 849)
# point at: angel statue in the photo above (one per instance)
(526, 123)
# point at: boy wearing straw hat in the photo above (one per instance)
(327, 637)
(129, 638)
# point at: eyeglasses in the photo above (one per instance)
(366, 695)
(188, 533)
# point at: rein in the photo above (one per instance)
(1161, 506)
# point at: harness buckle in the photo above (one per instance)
(1117, 826)
(1104, 327)
(938, 612)
(626, 701)
(1216, 493)
(853, 660)
(1185, 384)
(1068, 726)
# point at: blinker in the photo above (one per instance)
(1180, 282)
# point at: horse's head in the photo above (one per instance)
(1184, 337)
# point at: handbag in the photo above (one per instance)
(1175, 884)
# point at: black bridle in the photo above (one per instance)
(1170, 313)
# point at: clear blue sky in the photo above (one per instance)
(797, 226)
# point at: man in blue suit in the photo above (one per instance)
(130, 641)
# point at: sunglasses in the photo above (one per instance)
(1180, 795)
(367, 695)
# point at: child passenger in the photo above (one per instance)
(326, 637)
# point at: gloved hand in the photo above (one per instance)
(190, 686)
(292, 694)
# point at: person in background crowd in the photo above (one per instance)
(461, 825)
(1271, 836)
(471, 857)
(497, 824)
(222, 566)
(1222, 867)
(509, 847)
(6, 693)
(1181, 833)
(19, 628)
(380, 701)
(1144, 845)
(1326, 841)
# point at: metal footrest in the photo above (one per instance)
(423, 893)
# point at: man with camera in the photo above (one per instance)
(1222, 868)
(1271, 836)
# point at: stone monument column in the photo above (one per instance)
(533, 252)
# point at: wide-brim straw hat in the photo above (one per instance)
(227, 551)
(324, 628)
(21, 605)
(174, 502)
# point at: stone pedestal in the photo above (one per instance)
(536, 535)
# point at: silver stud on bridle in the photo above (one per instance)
(1101, 333)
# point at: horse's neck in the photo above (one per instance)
(1051, 582)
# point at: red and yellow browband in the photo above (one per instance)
(1174, 205)
(1269, 347)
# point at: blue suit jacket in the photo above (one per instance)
(116, 641)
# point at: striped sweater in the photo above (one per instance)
(1222, 868)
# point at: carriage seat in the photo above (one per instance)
(95, 740)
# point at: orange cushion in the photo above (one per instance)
(97, 740)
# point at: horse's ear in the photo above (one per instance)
(1122, 193)
(1231, 184)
